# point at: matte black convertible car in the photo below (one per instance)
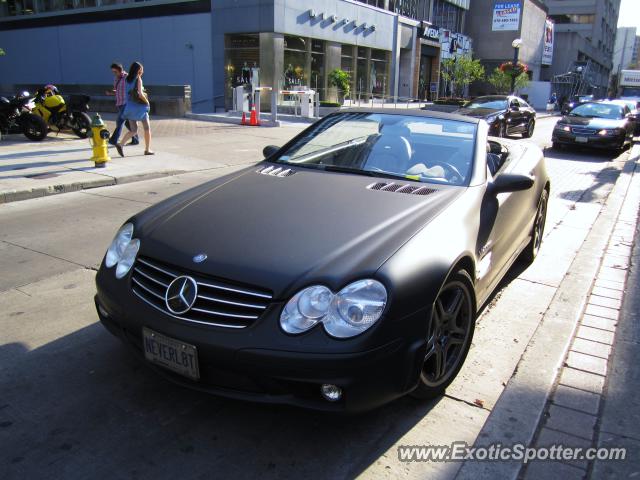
(505, 114)
(342, 272)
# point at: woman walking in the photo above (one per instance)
(136, 109)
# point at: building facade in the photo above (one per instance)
(391, 48)
(496, 24)
(585, 35)
(625, 51)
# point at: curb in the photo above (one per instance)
(104, 181)
(517, 414)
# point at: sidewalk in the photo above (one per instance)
(574, 412)
(61, 164)
(567, 388)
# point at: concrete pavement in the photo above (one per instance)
(74, 404)
(60, 164)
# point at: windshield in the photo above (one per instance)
(494, 103)
(417, 148)
(629, 103)
(598, 110)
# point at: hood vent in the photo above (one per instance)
(276, 171)
(401, 188)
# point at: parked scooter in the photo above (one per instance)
(57, 113)
(15, 117)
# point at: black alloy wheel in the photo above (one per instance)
(528, 133)
(453, 318)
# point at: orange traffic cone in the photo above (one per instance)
(244, 119)
(253, 121)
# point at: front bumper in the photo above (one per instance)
(606, 142)
(261, 363)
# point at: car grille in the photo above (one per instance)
(218, 303)
(583, 131)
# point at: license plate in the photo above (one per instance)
(170, 353)
(582, 139)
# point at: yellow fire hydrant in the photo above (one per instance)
(99, 137)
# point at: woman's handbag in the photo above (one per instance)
(137, 98)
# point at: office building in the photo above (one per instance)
(497, 24)
(391, 47)
(625, 52)
(585, 35)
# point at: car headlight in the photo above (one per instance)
(355, 308)
(347, 313)
(305, 309)
(128, 258)
(614, 131)
(118, 245)
(560, 126)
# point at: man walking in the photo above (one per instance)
(119, 90)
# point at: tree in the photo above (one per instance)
(501, 81)
(342, 81)
(460, 72)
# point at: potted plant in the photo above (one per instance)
(342, 81)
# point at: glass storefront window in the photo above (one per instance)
(318, 73)
(379, 72)
(12, 8)
(296, 72)
(242, 62)
(447, 15)
(346, 64)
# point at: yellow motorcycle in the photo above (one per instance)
(59, 114)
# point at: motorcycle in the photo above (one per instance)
(15, 117)
(62, 115)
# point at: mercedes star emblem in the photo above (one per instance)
(181, 295)
(201, 257)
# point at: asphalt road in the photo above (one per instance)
(75, 404)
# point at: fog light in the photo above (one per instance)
(333, 393)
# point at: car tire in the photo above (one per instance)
(528, 133)
(530, 252)
(451, 326)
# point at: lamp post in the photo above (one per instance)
(516, 51)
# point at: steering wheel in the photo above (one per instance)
(450, 171)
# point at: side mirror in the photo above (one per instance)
(269, 150)
(511, 182)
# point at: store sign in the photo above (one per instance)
(547, 49)
(454, 44)
(430, 32)
(630, 78)
(506, 16)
